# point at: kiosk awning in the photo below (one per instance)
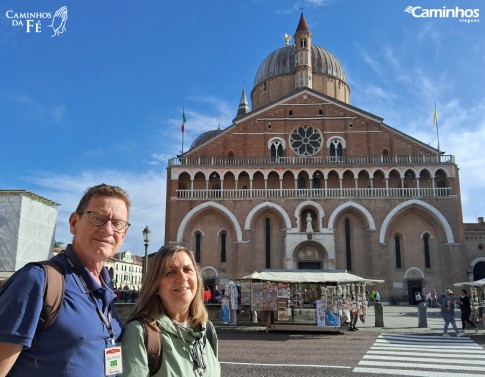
(310, 277)
(476, 283)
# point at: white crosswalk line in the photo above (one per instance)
(420, 355)
(428, 366)
(425, 354)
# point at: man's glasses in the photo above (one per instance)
(98, 219)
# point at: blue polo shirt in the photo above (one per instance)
(74, 344)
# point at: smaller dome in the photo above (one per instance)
(204, 138)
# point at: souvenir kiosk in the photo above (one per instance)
(305, 300)
(476, 292)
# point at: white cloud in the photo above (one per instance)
(27, 104)
(405, 99)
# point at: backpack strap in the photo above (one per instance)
(209, 333)
(53, 294)
(153, 344)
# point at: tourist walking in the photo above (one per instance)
(448, 313)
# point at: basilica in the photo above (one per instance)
(303, 180)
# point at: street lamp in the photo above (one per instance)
(146, 237)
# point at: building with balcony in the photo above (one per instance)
(305, 180)
(125, 270)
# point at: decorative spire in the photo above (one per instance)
(302, 25)
(243, 104)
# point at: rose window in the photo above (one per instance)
(306, 140)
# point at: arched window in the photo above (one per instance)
(301, 183)
(397, 249)
(427, 255)
(385, 155)
(276, 147)
(198, 243)
(276, 151)
(336, 149)
(316, 181)
(348, 248)
(267, 241)
(223, 237)
(336, 146)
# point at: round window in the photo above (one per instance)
(306, 140)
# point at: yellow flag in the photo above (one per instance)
(435, 116)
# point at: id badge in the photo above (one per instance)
(113, 363)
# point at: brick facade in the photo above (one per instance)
(309, 181)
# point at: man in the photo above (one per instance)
(372, 297)
(377, 298)
(87, 325)
(448, 313)
(466, 311)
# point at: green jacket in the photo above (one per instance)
(176, 361)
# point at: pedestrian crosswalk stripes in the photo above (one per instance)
(422, 355)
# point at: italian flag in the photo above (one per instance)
(183, 121)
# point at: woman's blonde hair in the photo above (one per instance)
(150, 306)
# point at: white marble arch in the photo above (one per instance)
(309, 203)
(279, 209)
(409, 272)
(358, 207)
(414, 202)
(203, 206)
(209, 268)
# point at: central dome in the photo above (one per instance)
(282, 62)
(301, 65)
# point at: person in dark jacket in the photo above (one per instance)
(466, 311)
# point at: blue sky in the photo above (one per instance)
(102, 102)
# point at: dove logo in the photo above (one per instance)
(59, 21)
(464, 15)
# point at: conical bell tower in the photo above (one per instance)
(303, 55)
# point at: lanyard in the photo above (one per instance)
(196, 353)
(101, 315)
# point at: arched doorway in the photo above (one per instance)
(414, 278)
(209, 276)
(479, 271)
(309, 256)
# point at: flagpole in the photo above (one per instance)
(438, 137)
(183, 128)
(435, 124)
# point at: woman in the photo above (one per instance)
(171, 300)
(207, 295)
